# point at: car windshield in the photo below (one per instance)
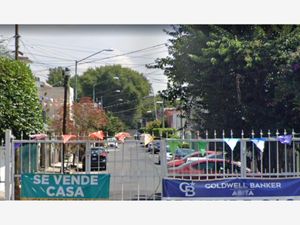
(97, 150)
(111, 139)
(184, 151)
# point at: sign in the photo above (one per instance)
(65, 186)
(236, 188)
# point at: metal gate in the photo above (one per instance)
(271, 161)
(2, 170)
(134, 172)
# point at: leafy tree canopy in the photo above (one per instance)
(20, 109)
(121, 90)
(55, 77)
(235, 77)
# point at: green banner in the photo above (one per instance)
(173, 145)
(202, 147)
(65, 186)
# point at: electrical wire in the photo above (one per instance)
(128, 53)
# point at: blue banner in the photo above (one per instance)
(236, 188)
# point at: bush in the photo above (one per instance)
(164, 132)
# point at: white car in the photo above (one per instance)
(112, 143)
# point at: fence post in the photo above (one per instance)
(163, 157)
(243, 156)
(8, 166)
(87, 157)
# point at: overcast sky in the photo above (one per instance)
(51, 46)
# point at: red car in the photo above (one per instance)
(205, 168)
(178, 162)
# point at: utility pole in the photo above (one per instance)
(66, 74)
(17, 42)
(80, 60)
(75, 97)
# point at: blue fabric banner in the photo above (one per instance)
(235, 188)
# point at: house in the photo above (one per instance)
(52, 98)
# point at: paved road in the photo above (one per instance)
(134, 173)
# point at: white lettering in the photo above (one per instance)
(75, 180)
(94, 180)
(70, 191)
(36, 179)
(57, 179)
(85, 180)
(270, 185)
(49, 189)
(60, 191)
(45, 179)
(67, 180)
(79, 192)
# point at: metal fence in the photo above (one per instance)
(273, 160)
(2, 169)
(137, 170)
(135, 173)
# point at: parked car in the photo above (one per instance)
(211, 155)
(199, 169)
(169, 155)
(154, 147)
(194, 157)
(182, 152)
(112, 142)
(98, 159)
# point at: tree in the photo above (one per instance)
(55, 77)
(86, 117)
(120, 89)
(20, 109)
(114, 125)
(236, 77)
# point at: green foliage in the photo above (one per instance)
(125, 104)
(20, 109)
(153, 124)
(163, 132)
(235, 77)
(184, 145)
(114, 125)
(55, 77)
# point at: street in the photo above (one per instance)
(134, 173)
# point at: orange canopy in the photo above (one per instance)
(121, 136)
(67, 137)
(98, 135)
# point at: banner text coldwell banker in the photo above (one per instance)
(236, 188)
(65, 186)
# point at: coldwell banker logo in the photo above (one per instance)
(187, 188)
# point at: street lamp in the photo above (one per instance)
(66, 75)
(163, 112)
(78, 61)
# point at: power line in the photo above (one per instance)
(128, 53)
(52, 52)
(53, 57)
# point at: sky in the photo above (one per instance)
(49, 46)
